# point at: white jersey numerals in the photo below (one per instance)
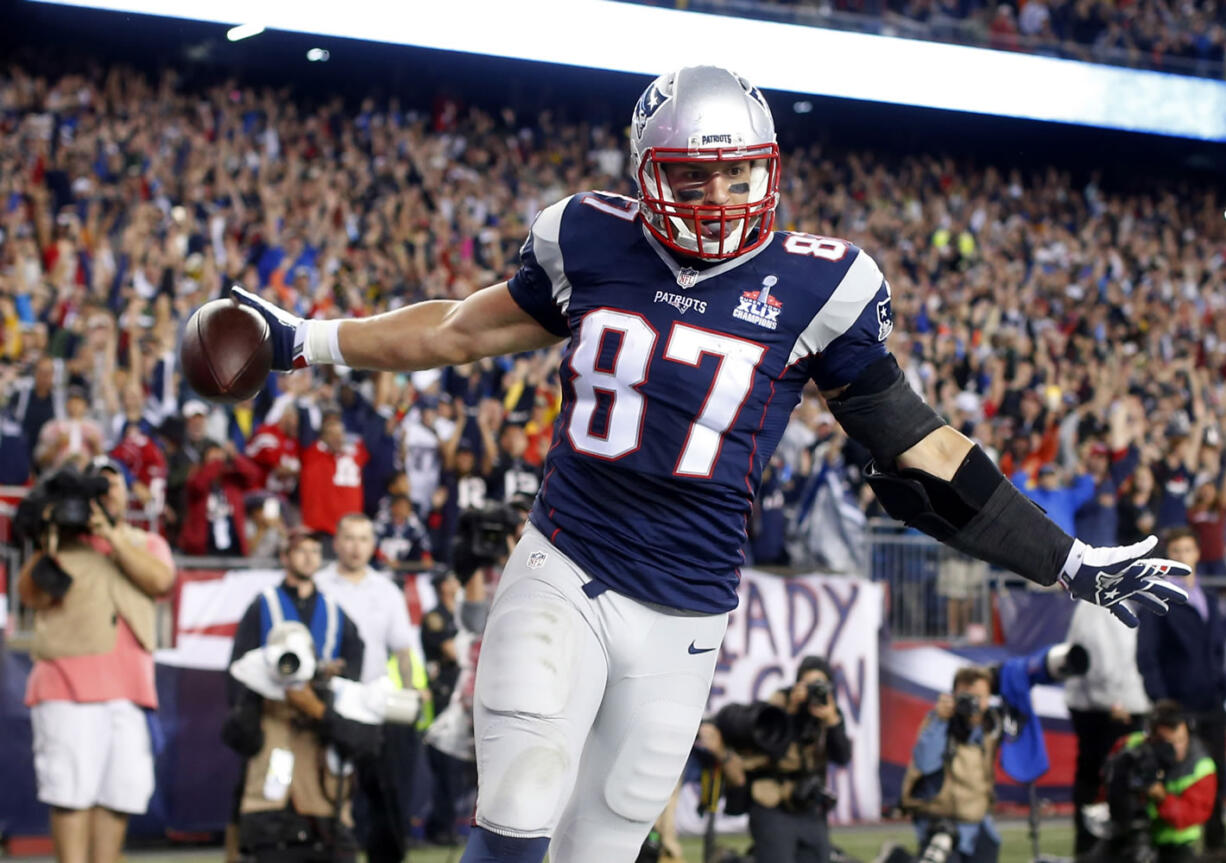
(826, 248)
(347, 473)
(618, 381)
(733, 379)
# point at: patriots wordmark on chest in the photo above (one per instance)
(681, 303)
(759, 307)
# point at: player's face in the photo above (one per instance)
(709, 184)
(355, 544)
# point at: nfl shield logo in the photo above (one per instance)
(537, 559)
(687, 277)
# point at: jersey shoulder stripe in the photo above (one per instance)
(859, 285)
(548, 250)
(618, 206)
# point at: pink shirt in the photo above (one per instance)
(125, 673)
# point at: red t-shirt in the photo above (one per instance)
(331, 484)
(272, 448)
(1210, 528)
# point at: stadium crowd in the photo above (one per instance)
(1184, 38)
(1077, 332)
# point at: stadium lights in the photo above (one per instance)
(244, 31)
(803, 60)
(804, 106)
(318, 55)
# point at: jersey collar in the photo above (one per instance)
(692, 276)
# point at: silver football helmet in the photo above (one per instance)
(705, 114)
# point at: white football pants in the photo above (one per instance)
(585, 708)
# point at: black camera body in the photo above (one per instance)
(481, 537)
(962, 723)
(818, 693)
(758, 726)
(61, 499)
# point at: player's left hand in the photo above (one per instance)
(287, 330)
(1108, 576)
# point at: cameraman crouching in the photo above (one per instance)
(1160, 790)
(950, 783)
(786, 784)
(92, 585)
(292, 802)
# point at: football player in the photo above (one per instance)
(693, 327)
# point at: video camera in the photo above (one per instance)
(287, 660)
(61, 499)
(1129, 774)
(57, 510)
(482, 533)
(758, 726)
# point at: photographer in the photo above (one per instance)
(776, 767)
(92, 584)
(1160, 789)
(949, 784)
(292, 801)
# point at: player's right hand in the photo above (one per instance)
(287, 331)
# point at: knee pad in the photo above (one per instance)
(649, 762)
(530, 654)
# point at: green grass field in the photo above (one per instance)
(862, 843)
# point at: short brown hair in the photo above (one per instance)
(1173, 534)
(969, 675)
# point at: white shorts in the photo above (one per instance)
(96, 754)
(585, 708)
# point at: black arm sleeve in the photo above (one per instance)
(241, 729)
(979, 513)
(881, 411)
(246, 638)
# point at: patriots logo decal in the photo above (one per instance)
(651, 101)
(1107, 588)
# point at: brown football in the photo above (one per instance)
(226, 352)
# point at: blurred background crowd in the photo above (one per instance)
(1181, 36)
(1076, 330)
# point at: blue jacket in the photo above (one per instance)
(1181, 656)
(1062, 504)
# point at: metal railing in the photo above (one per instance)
(932, 591)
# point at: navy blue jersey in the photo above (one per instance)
(677, 385)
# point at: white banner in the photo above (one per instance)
(779, 622)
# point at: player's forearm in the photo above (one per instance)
(407, 339)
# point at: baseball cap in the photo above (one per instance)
(296, 535)
(195, 407)
(1047, 470)
(106, 463)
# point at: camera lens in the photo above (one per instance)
(288, 663)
